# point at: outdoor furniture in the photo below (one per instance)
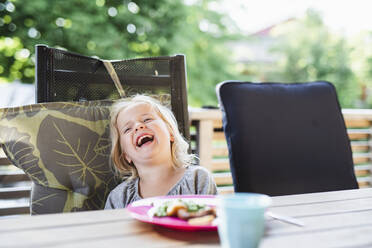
(66, 76)
(332, 219)
(285, 138)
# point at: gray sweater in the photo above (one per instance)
(196, 180)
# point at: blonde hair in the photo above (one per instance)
(179, 147)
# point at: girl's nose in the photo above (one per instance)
(140, 126)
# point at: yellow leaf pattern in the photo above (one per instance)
(64, 148)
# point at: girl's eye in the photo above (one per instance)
(126, 130)
(147, 119)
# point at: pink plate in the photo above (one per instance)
(139, 210)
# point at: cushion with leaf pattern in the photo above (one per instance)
(64, 148)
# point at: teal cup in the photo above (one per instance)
(241, 221)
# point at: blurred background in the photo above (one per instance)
(277, 41)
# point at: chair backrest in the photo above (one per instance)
(285, 138)
(65, 76)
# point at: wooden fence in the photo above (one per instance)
(14, 188)
(208, 141)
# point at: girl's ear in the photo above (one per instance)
(171, 137)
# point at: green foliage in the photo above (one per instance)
(303, 50)
(209, 62)
(117, 29)
(310, 52)
(364, 67)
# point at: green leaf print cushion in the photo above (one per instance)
(64, 148)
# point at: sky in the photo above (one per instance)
(347, 16)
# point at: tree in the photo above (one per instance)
(310, 52)
(362, 64)
(117, 29)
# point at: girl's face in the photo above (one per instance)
(144, 136)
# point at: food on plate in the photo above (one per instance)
(193, 213)
(204, 220)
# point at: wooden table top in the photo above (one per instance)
(332, 219)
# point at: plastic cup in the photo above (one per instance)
(241, 221)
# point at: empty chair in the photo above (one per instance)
(286, 138)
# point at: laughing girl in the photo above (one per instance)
(149, 151)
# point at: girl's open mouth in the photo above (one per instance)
(144, 139)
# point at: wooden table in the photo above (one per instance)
(332, 219)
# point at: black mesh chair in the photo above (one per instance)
(286, 138)
(67, 76)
